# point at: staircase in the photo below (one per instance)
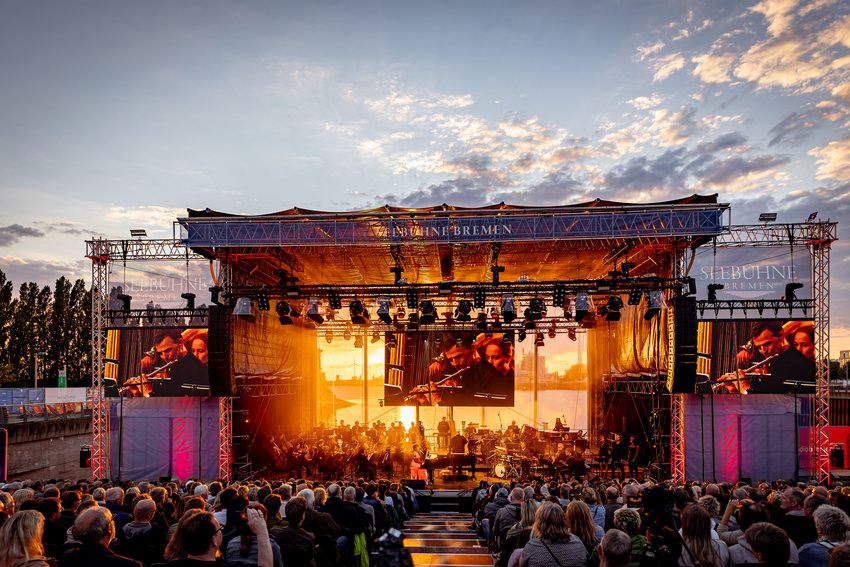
(442, 538)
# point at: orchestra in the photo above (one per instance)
(521, 453)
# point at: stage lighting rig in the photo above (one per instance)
(571, 334)
(520, 336)
(625, 267)
(287, 284)
(654, 304)
(482, 321)
(413, 321)
(358, 341)
(791, 291)
(713, 288)
(384, 304)
(464, 307)
(188, 296)
(767, 217)
(358, 313)
(285, 312)
(538, 341)
(329, 336)
(536, 309)
(584, 304)
(496, 270)
(613, 307)
(634, 296)
(391, 342)
(552, 332)
(215, 295)
(444, 289)
(313, 311)
(508, 308)
(262, 301)
(245, 309)
(479, 298)
(346, 334)
(427, 312)
(334, 301)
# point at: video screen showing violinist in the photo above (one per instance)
(158, 362)
(430, 368)
(765, 356)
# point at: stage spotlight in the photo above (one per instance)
(412, 297)
(538, 341)
(488, 334)
(791, 291)
(384, 304)
(584, 303)
(334, 301)
(508, 308)
(358, 313)
(189, 297)
(284, 312)
(552, 333)
(529, 325)
(126, 299)
(520, 336)
(244, 309)
(346, 334)
(654, 304)
(391, 342)
(262, 301)
(482, 321)
(506, 342)
(712, 291)
(427, 312)
(635, 296)
(571, 334)
(767, 217)
(329, 336)
(687, 286)
(444, 288)
(358, 341)
(536, 309)
(614, 305)
(413, 321)
(313, 311)
(464, 306)
(479, 297)
(401, 312)
(438, 341)
(215, 295)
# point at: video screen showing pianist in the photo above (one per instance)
(453, 369)
(158, 362)
(777, 357)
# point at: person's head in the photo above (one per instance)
(753, 513)
(832, 523)
(201, 533)
(581, 522)
(459, 356)
(840, 556)
(272, 502)
(70, 499)
(768, 542)
(334, 491)
(768, 337)
(792, 499)
(550, 523)
(199, 348)
(711, 505)
(144, 511)
(285, 491)
(804, 341)
(696, 523)
(98, 493)
(588, 495)
(166, 343)
(94, 526)
(295, 509)
(517, 495)
(309, 498)
(348, 494)
(50, 508)
(627, 520)
(526, 513)
(615, 549)
(20, 537)
(114, 495)
(499, 354)
(22, 495)
(202, 491)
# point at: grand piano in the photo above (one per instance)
(460, 460)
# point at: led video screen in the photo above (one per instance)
(157, 362)
(444, 368)
(766, 356)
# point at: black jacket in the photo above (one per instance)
(95, 556)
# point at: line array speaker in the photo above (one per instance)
(221, 378)
(682, 345)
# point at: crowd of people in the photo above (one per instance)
(614, 524)
(269, 524)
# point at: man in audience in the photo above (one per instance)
(113, 502)
(509, 515)
(800, 529)
(94, 530)
(285, 493)
(615, 549)
(294, 538)
(769, 543)
(70, 500)
(141, 531)
(202, 538)
(611, 506)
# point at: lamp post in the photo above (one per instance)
(35, 368)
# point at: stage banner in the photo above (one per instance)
(752, 273)
(430, 368)
(65, 395)
(739, 436)
(174, 437)
(157, 362)
(760, 356)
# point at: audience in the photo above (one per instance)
(20, 540)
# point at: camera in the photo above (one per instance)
(392, 552)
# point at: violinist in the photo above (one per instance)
(445, 372)
(169, 369)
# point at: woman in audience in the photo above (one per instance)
(175, 550)
(582, 525)
(20, 540)
(696, 531)
(518, 535)
(243, 549)
(832, 525)
(185, 504)
(553, 541)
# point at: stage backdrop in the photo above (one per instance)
(752, 437)
(164, 437)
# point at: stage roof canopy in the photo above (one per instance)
(444, 243)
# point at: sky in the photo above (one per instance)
(119, 115)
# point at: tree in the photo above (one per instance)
(80, 347)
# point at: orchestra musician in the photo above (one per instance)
(561, 463)
(512, 431)
(633, 455)
(166, 368)
(559, 427)
(604, 455)
(445, 372)
(619, 454)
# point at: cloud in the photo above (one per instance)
(726, 141)
(667, 65)
(645, 51)
(13, 233)
(673, 128)
(833, 160)
(20, 270)
(149, 217)
(643, 174)
(740, 174)
(793, 129)
(714, 68)
(643, 102)
(68, 228)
